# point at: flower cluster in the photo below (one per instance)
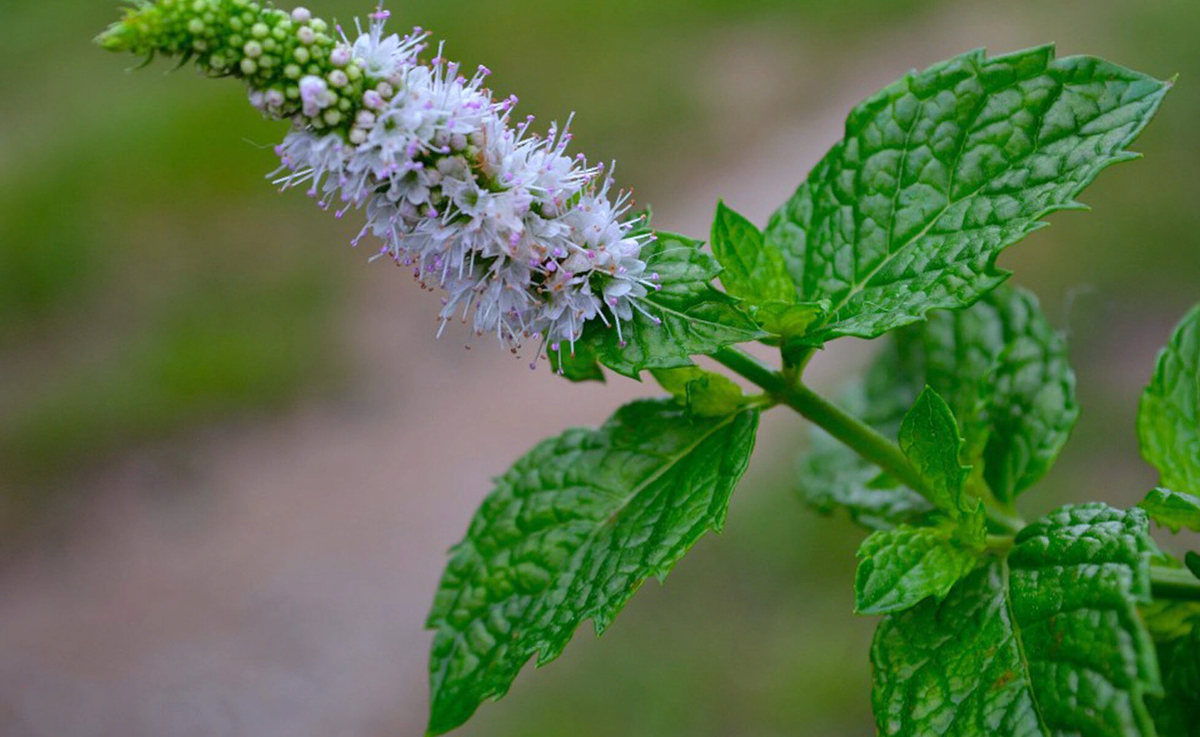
(524, 238)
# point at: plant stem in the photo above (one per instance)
(1174, 583)
(833, 419)
(855, 433)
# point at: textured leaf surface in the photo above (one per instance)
(568, 534)
(943, 169)
(688, 316)
(1169, 415)
(1003, 371)
(1046, 642)
(750, 270)
(898, 568)
(1172, 509)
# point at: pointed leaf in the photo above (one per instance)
(686, 316)
(1047, 642)
(942, 170)
(1172, 509)
(929, 439)
(751, 270)
(568, 534)
(1169, 415)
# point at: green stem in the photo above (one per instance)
(1174, 583)
(833, 419)
(855, 433)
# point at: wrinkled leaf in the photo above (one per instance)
(568, 534)
(1046, 642)
(898, 568)
(1169, 415)
(940, 171)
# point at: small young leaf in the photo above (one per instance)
(704, 393)
(687, 315)
(788, 320)
(1046, 642)
(1169, 415)
(929, 438)
(898, 568)
(568, 534)
(751, 271)
(1173, 509)
(940, 171)
(575, 364)
(1191, 559)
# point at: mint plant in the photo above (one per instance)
(1074, 623)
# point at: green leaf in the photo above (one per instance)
(575, 363)
(751, 270)
(833, 477)
(788, 320)
(1004, 372)
(688, 316)
(1177, 712)
(1173, 509)
(1169, 415)
(704, 393)
(568, 534)
(929, 439)
(898, 568)
(1192, 560)
(940, 171)
(1045, 642)
(1169, 619)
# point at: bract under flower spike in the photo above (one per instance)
(523, 237)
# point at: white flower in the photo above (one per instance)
(522, 237)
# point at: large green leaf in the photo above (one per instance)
(568, 534)
(1003, 371)
(1045, 642)
(940, 171)
(685, 317)
(1169, 415)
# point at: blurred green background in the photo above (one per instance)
(154, 286)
